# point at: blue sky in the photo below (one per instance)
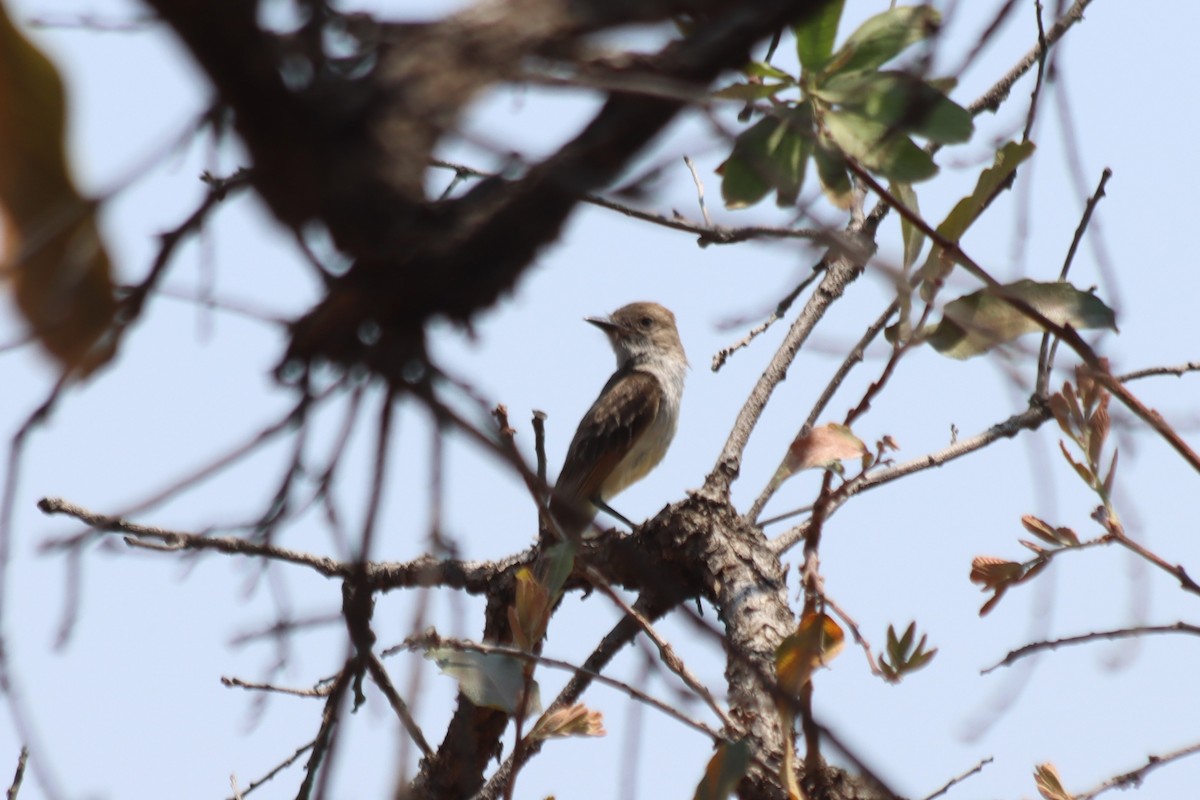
(131, 705)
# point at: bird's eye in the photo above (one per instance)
(646, 322)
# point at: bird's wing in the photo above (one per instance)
(625, 408)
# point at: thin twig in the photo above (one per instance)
(707, 234)
(1066, 333)
(1135, 777)
(855, 632)
(428, 640)
(316, 691)
(1119, 633)
(852, 358)
(539, 444)
(957, 779)
(384, 682)
(1176, 570)
(324, 740)
(15, 787)
(1083, 222)
(855, 356)
(382, 449)
(841, 270)
(699, 190)
(666, 653)
(175, 540)
(781, 309)
(1043, 48)
(1026, 420)
(1047, 350)
(1178, 371)
(998, 93)
(280, 767)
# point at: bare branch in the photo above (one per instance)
(1026, 420)
(379, 673)
(317, 691)
(666, 653)
(1119, 633)
(14, 788)
(1066, 333)
(1178, 370)
(950, 784)
(998, 93)
(842, 269)
(1135, 777)
(280, 767)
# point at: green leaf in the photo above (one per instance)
(760, 69)
(815, 35)
(883, 37)
(878, 148)
(725, 769)
(490, 680)
(901, 101)
(771, 154)
(831, 169)
(967, 210)
(749, 91)
(914, 238)
(978, 322)
(554, 567)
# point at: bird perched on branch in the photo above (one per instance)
(629, 427)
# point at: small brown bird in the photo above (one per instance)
(628, 429)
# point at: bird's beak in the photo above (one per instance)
(603, 323)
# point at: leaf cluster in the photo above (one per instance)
(848, 107)
(904, 654)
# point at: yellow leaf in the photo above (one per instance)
(817, 641)
(727, 766)
(50, 247)
(530, 614)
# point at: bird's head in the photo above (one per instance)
(641, 331)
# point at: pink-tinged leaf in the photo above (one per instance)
(1049, 784)
(1034, 546)
(993, 572)
(1112, 474)
(1098, 431)
(1061, 536)
(991, 603)
(1084, 473)
(1073, 401)
(1061, 412)
(823, 447)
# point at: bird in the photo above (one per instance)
(629, 427)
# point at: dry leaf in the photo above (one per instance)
(50, 247)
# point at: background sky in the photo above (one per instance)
(129, 703)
